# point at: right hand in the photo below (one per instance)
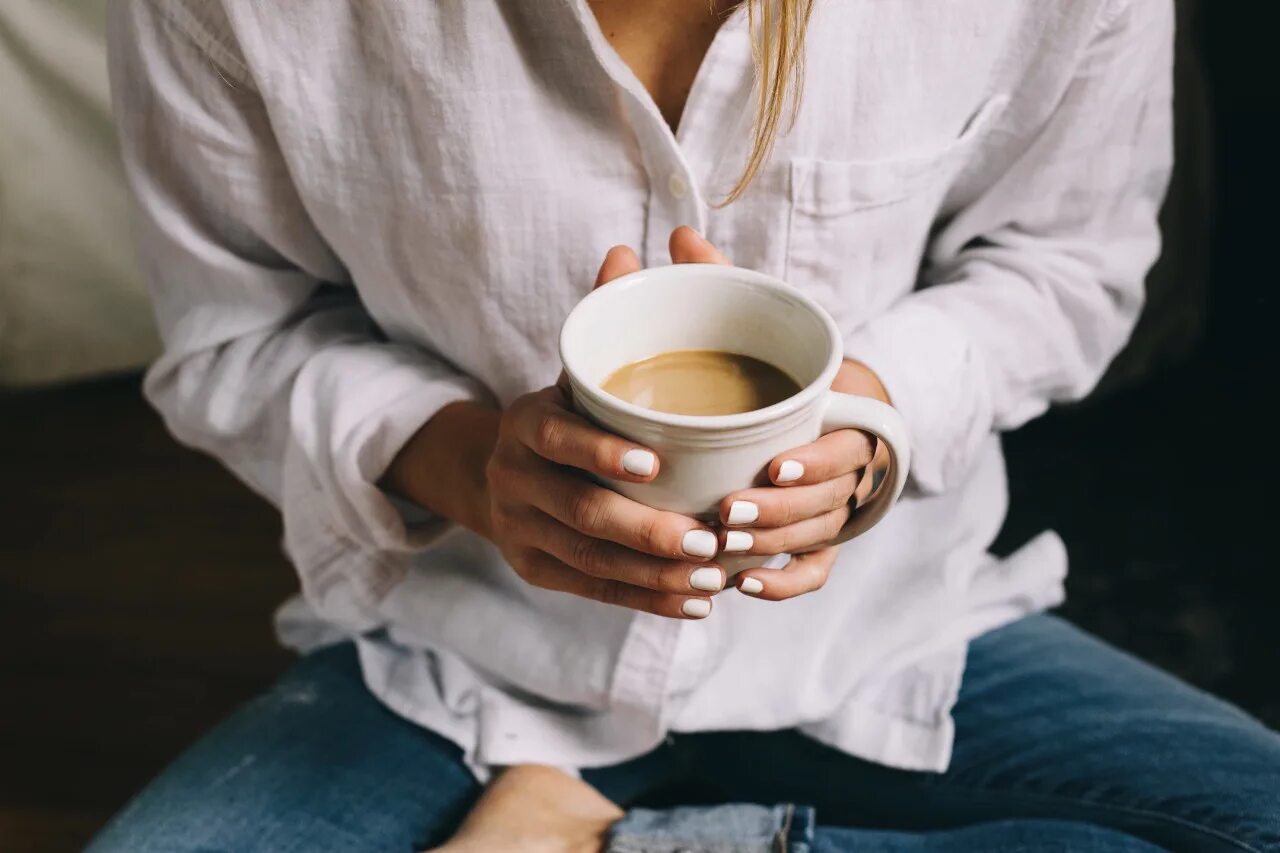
(522, 479)
(561, 530)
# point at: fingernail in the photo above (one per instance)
(738, 540)
(696, 607)
(743, 512)
(751, 586)
(706, 578)
(699, 543)
(638, 462)
(789, 471)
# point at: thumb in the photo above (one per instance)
(689, 247)
(618, 261)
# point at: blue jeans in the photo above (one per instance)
(1062, 743)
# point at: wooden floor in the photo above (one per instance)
(137, 580)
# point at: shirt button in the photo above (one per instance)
(677, 185)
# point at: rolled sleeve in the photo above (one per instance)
(936, 378)
(353, 407)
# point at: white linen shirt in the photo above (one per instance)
(352, 214)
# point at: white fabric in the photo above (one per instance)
(355, 213)
(72, 302)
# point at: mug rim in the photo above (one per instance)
(801, 399)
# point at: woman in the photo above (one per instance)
(364, 224)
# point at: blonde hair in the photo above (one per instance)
(777, 46)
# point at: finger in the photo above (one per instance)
(801, 536)
(805, 573)
(870, 477)
(611, 561)
(546, 427)
(543, 570)
(618, 261)
(774, 507)
(833, 455)
(604, 514)
(689, 247)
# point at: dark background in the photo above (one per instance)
(137, 579)
(1165, 491)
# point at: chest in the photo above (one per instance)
(663, 42)
(471, 162)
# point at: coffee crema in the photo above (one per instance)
(701, 382)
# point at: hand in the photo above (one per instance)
(560, 530)
(534, 497)
(816, 488)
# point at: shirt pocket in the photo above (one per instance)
(857, 228)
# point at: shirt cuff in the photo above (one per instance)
(353, 408)
(936, 378)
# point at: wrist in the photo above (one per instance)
(854, 377)
(441, 468)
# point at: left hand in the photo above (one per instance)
(801, 514)
(815, 489)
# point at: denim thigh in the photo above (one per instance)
(1050, 724)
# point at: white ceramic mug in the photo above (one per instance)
(705, 458)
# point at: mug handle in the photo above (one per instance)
(849, 411)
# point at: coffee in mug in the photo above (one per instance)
(701, 382)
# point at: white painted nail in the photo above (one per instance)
(706, 578)
(738, 540)
(638, 462)
(743, 512)
(696, 607)
(751, 586)
(790, 471)
(699, 543)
